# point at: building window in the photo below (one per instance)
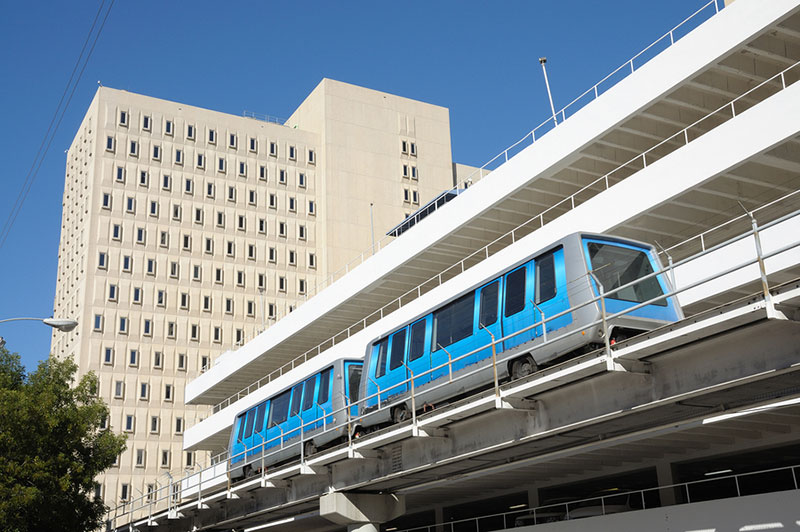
(271, 310)
(262, 281)
(201, 160)
(124, 492)
(189, 459)
(262, 226)
(273, 201)
(282, 229)
(184, 301)
(119, 390)
(144, 390)
(210, 190)
(253, 144)
(163, 240)
(187, 242)
(133, 358)
(116, 232)
(120, 175)
(137, 295)
(154, 423)
(262, 172)
(139, 457)
(221, 164)
(147, 327)
(292, 258)
(196, 272)
(228, 305)
(220, 219)
(151, 266)
(209, 246)
(171, 330)
(217, 334)
(232, 140)
(301, 232)
(273, 149)
(154, 209)
(188, 185)
(112, 292)
(414, 197)
(168, 127)
(110, 143)
(130, 205)
(301, 180)
(108, 356)
(414, 174)
(292, 205)
(178, 425)
(134, 148)
(218, 276)
(251, 309)
(251, 251)
(127, 263)
(140, 235)
(273, 255)
(406, 195)
(212, 136)
(230, 250)
(194, 332)
(205, 363)
(178, 156)
(156, 152)
(404, 146)
(168, 392)
(130, 423)
(413, 149)
(251, 197)
(405, 170)
(242, 169)
(292, 153)
(240, 278)
(176, 213)
(239, 336)
(207, 303)
(123, 118)
(181, 361)
(241, 222)
(282, 284)
(165, 459)
(123, 325)
(174, 270)
(312, 208)
(301, 286)
(232, 194)
(106, 200)
(102, 260)
(166, 182)
(312, 260)
(161, 298)
(190, 131)
(146, 121)
(312, 157)
(282, 176)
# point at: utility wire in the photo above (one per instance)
(59, 113)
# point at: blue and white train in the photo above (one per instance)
(448, 347)
(452, 342)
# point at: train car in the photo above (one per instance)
(504, 307)
(315, 407)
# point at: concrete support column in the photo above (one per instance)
(363, 527)
(533, 497)
(361, 512)
(438, 518)
(665, 478)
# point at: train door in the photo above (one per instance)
(292, 425)
(518, 309)
(376, 370)
(325, 397)
(394, 380)
(255, 441)
(551, 289)
(237, 448)
(278, 413)
(489, 326)
(309, 411)
(352, 379)
(419, 351)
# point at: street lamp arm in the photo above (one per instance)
(57, 323)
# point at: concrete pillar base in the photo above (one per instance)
(357, 509)
(363, 527)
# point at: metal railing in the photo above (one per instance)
(264, 117)
(675, 141)
(222, 466)
(618, 502)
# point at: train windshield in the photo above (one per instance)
(617, 266)
(354, 378)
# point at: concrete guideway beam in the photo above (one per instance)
(358, 509)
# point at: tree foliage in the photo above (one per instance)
(51, 446)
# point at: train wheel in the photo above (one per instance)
(309, 448)
(400, 413)
(522, 367)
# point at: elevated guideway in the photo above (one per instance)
(657, 108)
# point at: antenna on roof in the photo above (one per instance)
(542, 61)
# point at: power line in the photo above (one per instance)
(59, 113)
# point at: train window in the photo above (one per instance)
(545, 278)
(380, 370)
(515, 291)
(240, 433)
(453, 322)
(398, 349)
(354, 379)
(279, 409)
(324, 386)
(617, 266)
(308, 393)
(416, 346)
(251, 415)
(488, 314)
(262, 408)
(297, 394)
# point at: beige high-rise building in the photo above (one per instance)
(186, 231)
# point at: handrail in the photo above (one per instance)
(300, 432)
(567, 203)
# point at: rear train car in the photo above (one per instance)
(504, 308)
(270, 431)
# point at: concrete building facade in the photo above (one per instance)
(187, 231)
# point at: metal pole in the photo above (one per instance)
(372, 227)
(542, 61)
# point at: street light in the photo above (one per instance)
(56, 323)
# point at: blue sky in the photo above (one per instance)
(478, 58)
